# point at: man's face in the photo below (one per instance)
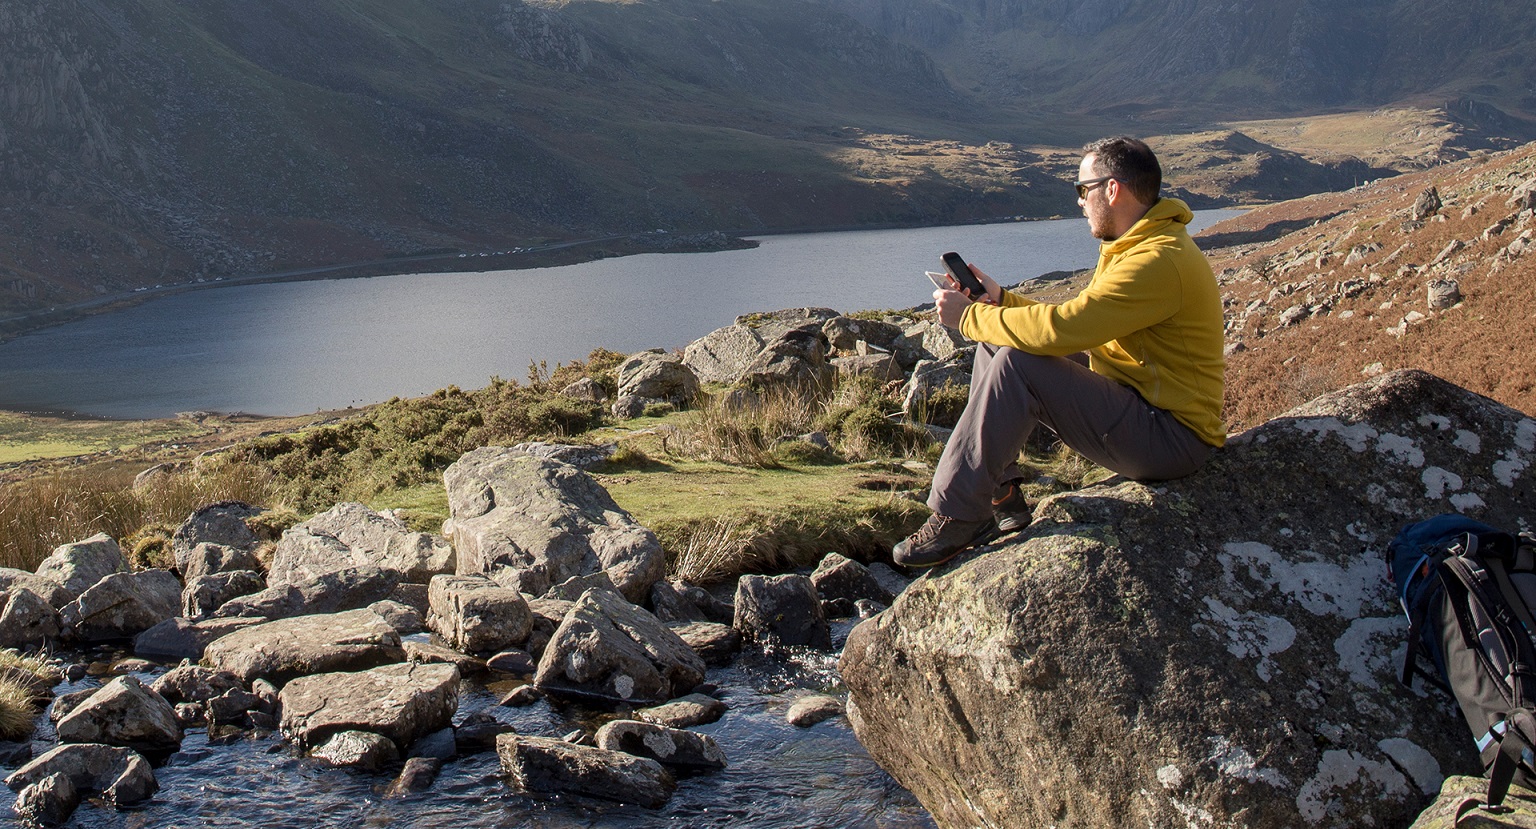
(1095, 203)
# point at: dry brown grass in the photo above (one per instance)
(38, 514)
(1478, 344)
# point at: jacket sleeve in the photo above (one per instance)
(1134, 292)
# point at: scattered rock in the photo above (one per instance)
(48, 802)
(178, 638)
(781, 610)
(208, 559)
(1426, 205)
(120, 775)
(401, 702)
(545, 521)
(812, 709)
(541, 765)
(684, 712)
(476, 615)
(281, 650)
(417, 776)
(715, 643)
(520, 663)
(78, 566)
(406, 620)
(611, 649)
(585, 389)
(659, 376)
(430, 654)
(840, 577)
(221, 523)
(796, 359)
(360, 750)
(205, 594)
(522, 696)
(337, 590)
(123, 713)
(51, 591)
(351, 535)
(685, 750)
(27, 620)
(193, 683)
(121, 605)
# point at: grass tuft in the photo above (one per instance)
(18, 713)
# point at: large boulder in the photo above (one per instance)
(207, 558)
(350, 535)
(122, 605)
(781, 610)
(222, 523)
(794, 360)
(402, 702)
(613, 650)
(1224, 645)
(657, 376)
(532, 523)
(845, 333)
(78, 566)
(207, 593)
(120, 775)
(26, 619)
(722, 356)
(287, 648)
(542, 765)
(476, 615)
(123, 713)
(178, 638)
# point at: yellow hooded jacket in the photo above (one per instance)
(1150, 319)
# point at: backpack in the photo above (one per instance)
(1468, 590)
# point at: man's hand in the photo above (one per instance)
(952, 303)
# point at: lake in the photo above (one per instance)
(298, 347)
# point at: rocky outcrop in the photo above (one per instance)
(282, 650)
(401, 702)
(540, 765)
(723, 355)
(1187, 648)
(610, 649)
(532, 523)
(351, 535)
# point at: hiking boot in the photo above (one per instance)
(940, 539)
(1010, 510)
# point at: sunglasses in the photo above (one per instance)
(1084, 186)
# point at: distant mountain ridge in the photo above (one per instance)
(159, 141)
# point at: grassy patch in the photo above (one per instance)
(29, 437)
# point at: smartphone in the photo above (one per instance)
(962, 274)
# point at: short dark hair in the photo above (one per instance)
(1129, 161)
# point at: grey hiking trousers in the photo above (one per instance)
(1012, 391)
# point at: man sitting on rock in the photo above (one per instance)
(1145, 399)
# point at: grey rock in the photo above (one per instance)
(476, 615)
(268, 698)
(51, 591)
(585, 389)
(417, 775)
(944, 342)
(402, 702)
(1239, 642)
(190, 714)
(431, 654)
(14, 754)
(413, 595)
(78, 566)
(118, 774)
(231, 706)
(64, 703)
(522, 696)
(121, 605)
(1517, 812)
(361, 750)
(865, 608)
(1442, 293)
(180, 639)
(812, 709)
(1427, 204)
(123, 713)
(882, 367)
(929, 376)
(207, 558)
(684, 750)
(351, 535)
(48, 802)
(796, 359)
(840, 577)
(657, 375)
(193, 683)
(27, 620)
(513, 661)
(684, 712)
(585, 458)
(439, 745)
(221, 523)
(631, 406)
(541, 765)
(547, 521)
(406, 620)
(723, 355)
(203, 595)
(287, 648)
(781, 610)
(845, 333)
(480, 731)
(337, 590)
(571, 589)
(670, 605)
(608, 648)
(893, 582)
(715, 643)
